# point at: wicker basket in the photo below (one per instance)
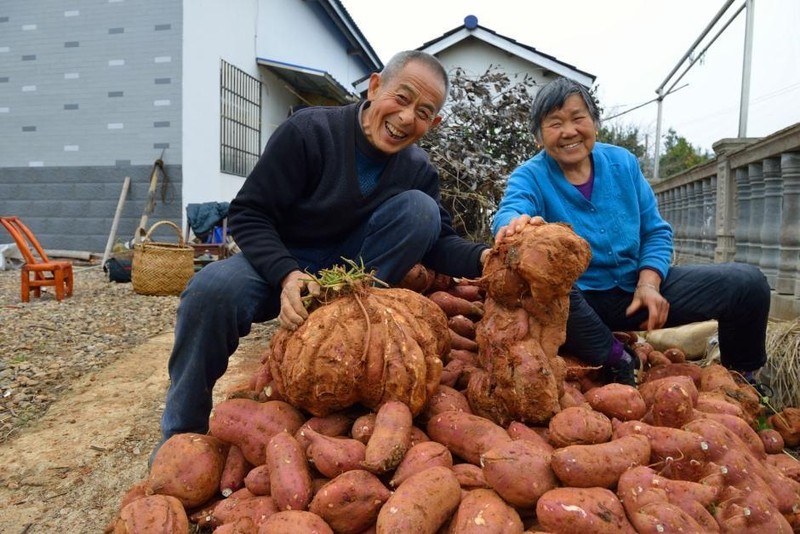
(161, 268)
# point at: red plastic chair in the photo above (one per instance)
(38, 272)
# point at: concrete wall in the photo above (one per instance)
(90, 92)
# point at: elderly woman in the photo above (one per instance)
(630, 283)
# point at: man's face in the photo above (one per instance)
(403, 108)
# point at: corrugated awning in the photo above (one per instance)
(309, 81)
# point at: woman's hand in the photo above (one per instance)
(516, 225)
(647, 295)
(294, 286)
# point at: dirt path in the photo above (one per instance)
(67, 472)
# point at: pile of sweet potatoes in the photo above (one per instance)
(680, 453)
(688, 450)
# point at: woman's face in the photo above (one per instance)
(568, 133)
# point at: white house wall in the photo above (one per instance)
(474, 56)
(299, 32)
(213, 31)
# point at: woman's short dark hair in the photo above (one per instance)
(552, 97)
(401, 59)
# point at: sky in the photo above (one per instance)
(632, 46)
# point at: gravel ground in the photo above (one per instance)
(45, 345)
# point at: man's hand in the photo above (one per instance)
(294, 286)
(516, 225)
(647, 295)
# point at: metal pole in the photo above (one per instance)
(657, 140)
(744, 100)
(696, 42)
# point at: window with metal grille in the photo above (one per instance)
(240, 120)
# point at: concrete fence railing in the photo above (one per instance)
(743, 206)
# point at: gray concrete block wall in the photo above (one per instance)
(73, 207)
(90, 82)
(90, 92)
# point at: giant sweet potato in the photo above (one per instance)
(368, 346)
(528, 277)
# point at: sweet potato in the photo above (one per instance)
(738, 426)
(718, 402)
(459, 342)
(390, 438)
(788, 465)
(656, 358)
(463, 325)
(236, 468)
(466, 435)
(502, 468)
(572, 395)
(679, 454)
(238, 505)
(243, 525)
(658, 517)
(417, 436)
(469, 357)
(446, 398)
(716, 377)
(350, 502)
(600, 464)
(675, 355)
(289, 474)
(188, 467)
(672, 406)
(469, 292)
(332, 456)
(154, 514)
(420, 457)
(421, 504)
(691, 370)
(470, 476)
(335, 424)
(257, 480)
(649, 389)
(750, 512)
(582, 510)
(617, 400)
(579, 425)
(519, 430)
(419, 278)
(363, 427)
(772, 440)
(452, 305)
(295, 521)
(483, 511)
(640, 486)
(250, 425)
(787, 423)
(452, 372)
